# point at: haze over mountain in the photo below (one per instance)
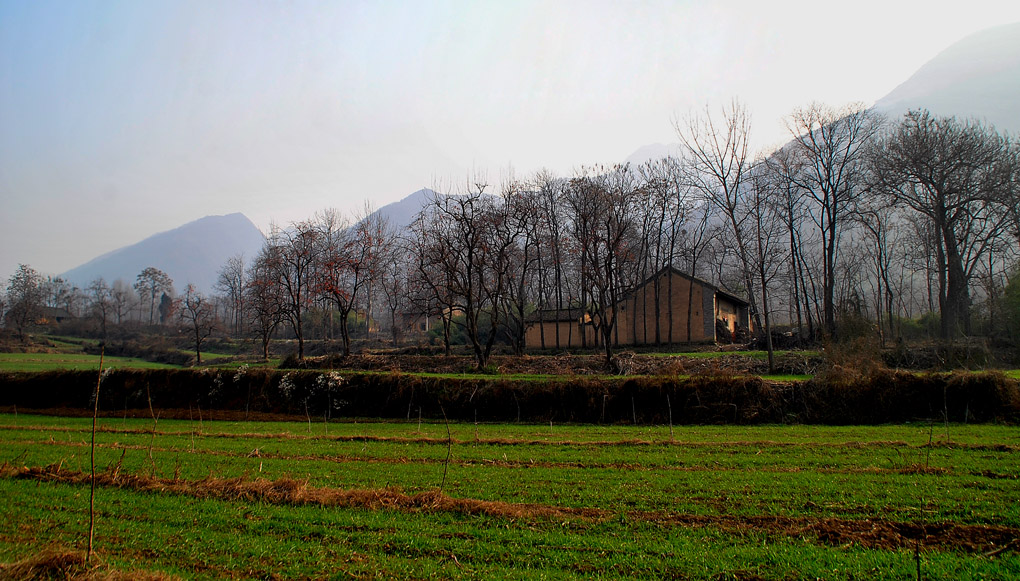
(977, 77)
(193, 253)
(400, 214)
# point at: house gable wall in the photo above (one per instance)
(569, 335)
(656, 313)
(653, 314)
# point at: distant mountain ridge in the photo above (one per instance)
(977, 77)
(192, 253)
(402, 213)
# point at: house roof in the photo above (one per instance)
(574, 314)
(732, 297)
(670, 268)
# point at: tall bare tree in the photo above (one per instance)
(519, 232)
(295, 253)
(24, 299)
(151, 283)
(101, 302)
(264, 297)
(603, 235)
(552, 292)
(395, 286)
(962, 177)
(198, 316)
(230, 282)
(830, 164)
(469, 239)
(122, 300)
(791, 202)
(717, 151)
(428, 285)
(765, 208)
(350, 260)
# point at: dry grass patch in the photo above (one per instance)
(872, 533)
(57, 563)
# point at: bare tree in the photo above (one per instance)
(24, 299)
(198, 316)
(101, 302)
(792, 209)
(378, 235)
(765, 215)
(603, 234)
(295, 252)
(264, 297)
(151, 283)
(551, 260)
(428, 287)
(350, 260)
(121, 299)
(829, 149)
(469, 238)
(660, 206)
(230, 282)
(394, 283)
(518, 233)
(879, 221)
(717, 151)
(962, 177)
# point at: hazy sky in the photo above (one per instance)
(122, 119)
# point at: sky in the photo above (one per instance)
(121, 119)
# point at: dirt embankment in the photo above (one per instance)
(625, 363)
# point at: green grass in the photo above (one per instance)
(786, 377)
(229, 362)
(59, 361)
(640, 476)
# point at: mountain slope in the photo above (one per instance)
(977, 77)
(193, 253)
(400, 214)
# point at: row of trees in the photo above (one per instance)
(855, 218)
(32, 299)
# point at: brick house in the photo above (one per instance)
(654, 313)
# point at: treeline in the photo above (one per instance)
(858, 226)
(856, 222)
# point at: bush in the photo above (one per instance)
(851, 361)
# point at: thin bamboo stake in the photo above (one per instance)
(92, 459)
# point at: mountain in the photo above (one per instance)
(193, 253)
(652, 152)
(977, 77)
(401, 214)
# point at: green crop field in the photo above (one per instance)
(55, 361)
(201, 499)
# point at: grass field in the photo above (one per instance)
(54, 361)
(200, 499)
